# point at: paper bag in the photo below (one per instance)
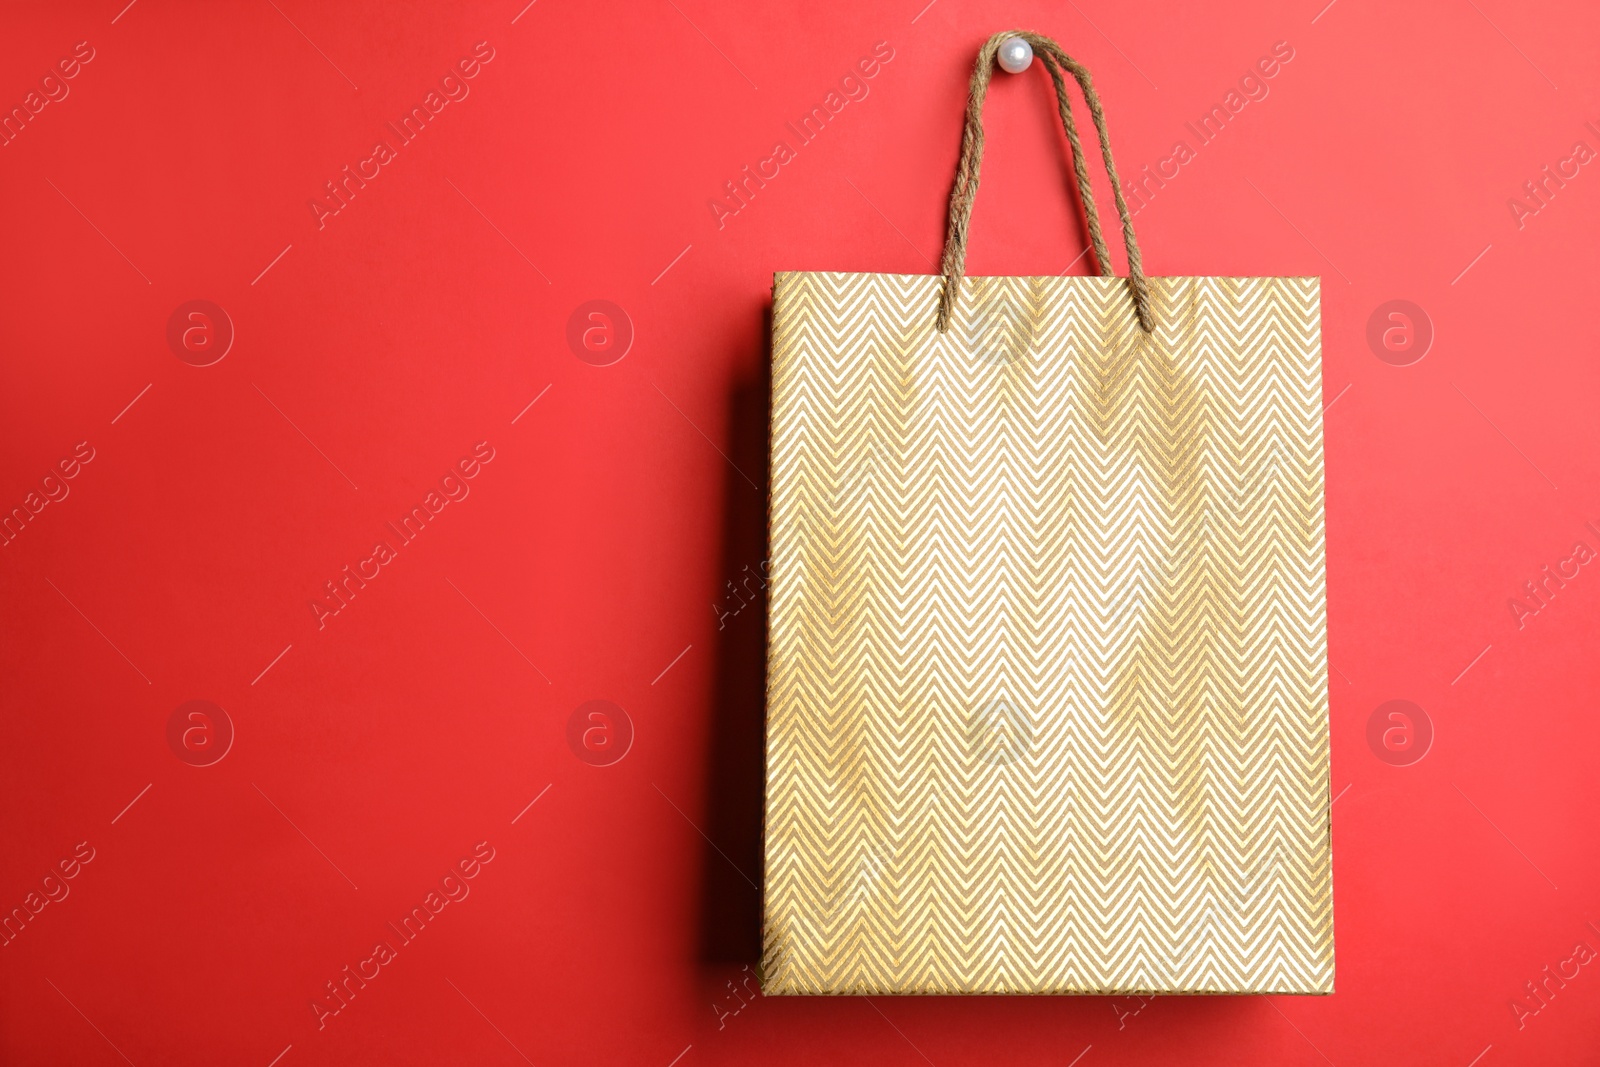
(1047, 684)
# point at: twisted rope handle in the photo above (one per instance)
(953, 265)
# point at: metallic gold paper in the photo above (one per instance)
(1047, 694)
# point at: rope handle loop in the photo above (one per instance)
(965, 191)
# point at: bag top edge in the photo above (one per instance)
(1054, 277)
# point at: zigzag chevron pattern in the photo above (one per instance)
(1047, 689)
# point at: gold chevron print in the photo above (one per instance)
(1047, 684)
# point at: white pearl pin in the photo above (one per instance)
(1015, 55)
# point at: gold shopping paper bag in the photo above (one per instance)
(1047, 687)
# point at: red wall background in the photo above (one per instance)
(611, 547)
